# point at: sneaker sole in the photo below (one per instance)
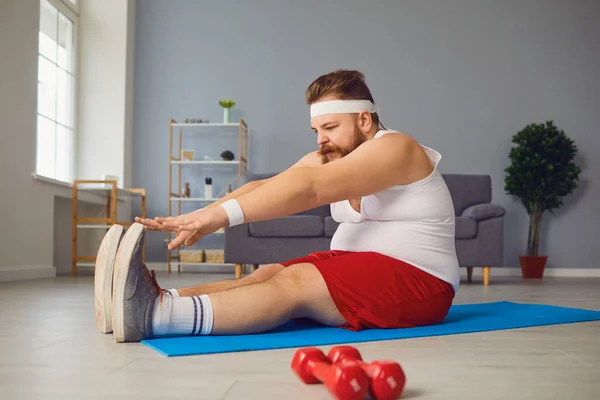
(122, 264)
(103, 278)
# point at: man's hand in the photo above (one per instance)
(153, 225)
(187, 237)
(156, 224)
(195, 225)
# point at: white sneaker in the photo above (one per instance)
(103, 277)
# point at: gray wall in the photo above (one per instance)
(460, 76)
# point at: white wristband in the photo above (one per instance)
(234, 212)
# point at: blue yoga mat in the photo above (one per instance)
(461, 319)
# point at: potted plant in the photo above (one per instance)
(226, 104)
(541, 173)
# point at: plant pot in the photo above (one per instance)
(226, 115)
(532, 267)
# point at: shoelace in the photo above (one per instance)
(153, 283)
(151, 278)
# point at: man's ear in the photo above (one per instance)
(365, 121)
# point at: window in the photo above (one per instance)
(55, 144)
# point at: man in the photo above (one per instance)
(392, 261)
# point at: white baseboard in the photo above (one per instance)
(548, 272)
(24, 272)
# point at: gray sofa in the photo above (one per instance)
(479, 230)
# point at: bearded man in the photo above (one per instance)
(392, 261)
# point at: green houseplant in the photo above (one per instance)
(541, 172)
(226, 104)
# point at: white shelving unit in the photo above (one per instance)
(176, 198)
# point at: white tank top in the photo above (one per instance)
(413, 223)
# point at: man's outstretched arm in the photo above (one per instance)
(190, 236)
(310, 159)
(374, 166)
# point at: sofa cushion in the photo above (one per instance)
(330, 226)
(291, 226)
(466, 228)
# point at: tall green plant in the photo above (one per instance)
(541, 173)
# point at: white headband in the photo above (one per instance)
(341, 107)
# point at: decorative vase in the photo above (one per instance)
(532, 267)
(226, 115)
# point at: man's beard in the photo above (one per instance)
(357, 139)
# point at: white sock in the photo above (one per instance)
(174, 292)
(180, 316)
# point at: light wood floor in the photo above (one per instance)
(50, 349)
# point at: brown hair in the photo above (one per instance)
(346, 84)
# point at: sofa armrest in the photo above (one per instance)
(480, 212)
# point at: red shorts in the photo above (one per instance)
(371, 290)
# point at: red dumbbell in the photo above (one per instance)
(345, 380)
(386, 377)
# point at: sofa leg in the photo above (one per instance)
(254, 267)
(469, 274)
(238, 271)
(486, 275)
